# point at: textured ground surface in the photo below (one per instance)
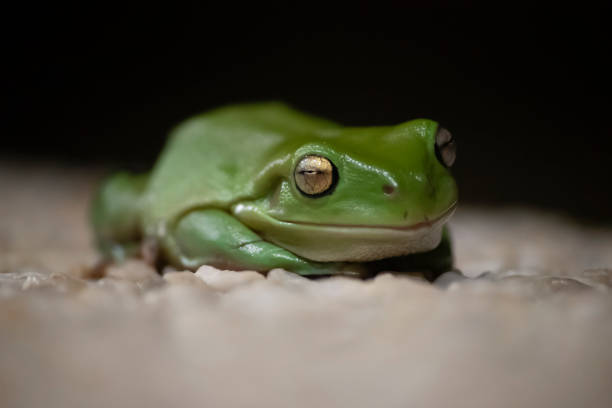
(534, 330)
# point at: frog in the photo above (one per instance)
(260, 186)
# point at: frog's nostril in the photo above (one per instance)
(388, 189)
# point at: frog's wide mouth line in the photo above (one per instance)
(420, 225)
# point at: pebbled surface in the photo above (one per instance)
(530, 325)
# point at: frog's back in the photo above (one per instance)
(212, 159)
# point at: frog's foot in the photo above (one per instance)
(150, 253)
(214, 237)
(116, 215)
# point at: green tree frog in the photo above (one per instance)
(262, 186)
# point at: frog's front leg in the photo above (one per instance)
(214, 237)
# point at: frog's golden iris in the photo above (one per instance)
(315, 175)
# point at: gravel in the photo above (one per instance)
(527, 322)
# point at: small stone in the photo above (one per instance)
(556, 285)
(224, 280)
(134, 271)
(541, 285)
(448, 278)
(284, 277)
(22, 280)
(169, 268)
(185, 278)
(66, 283)
(29, 279)
(601, 276)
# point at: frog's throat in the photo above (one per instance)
(344, 243)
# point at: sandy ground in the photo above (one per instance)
(531, 325)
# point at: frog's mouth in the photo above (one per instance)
(423, 224)
(345, 242)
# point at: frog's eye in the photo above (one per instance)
(315, 176)
(446, 148)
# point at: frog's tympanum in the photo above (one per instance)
(262, 186)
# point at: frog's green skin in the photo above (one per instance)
(223, 193)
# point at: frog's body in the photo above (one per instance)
(228, 190)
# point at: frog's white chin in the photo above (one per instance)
(338, 243)
(360, 244)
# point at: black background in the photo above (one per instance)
(526, 94)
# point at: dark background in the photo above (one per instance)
(526, 95)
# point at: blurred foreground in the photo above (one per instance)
(533, 329)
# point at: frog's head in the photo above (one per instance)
(358, 194)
